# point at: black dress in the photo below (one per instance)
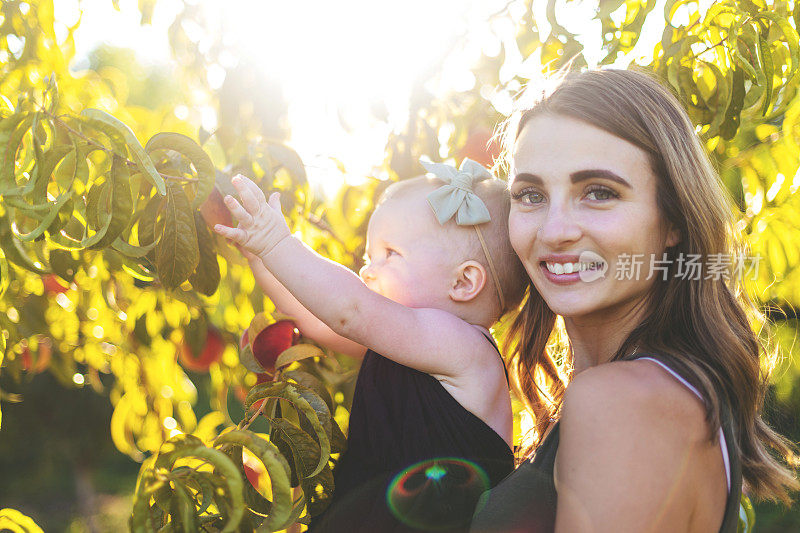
(400, 418)
(525, 502)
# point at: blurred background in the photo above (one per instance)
(330, 100)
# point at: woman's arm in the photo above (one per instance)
(308, 324)
(630, 456)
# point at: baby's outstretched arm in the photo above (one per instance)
(341, 300)
(308, 324)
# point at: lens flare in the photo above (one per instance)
(437, 494)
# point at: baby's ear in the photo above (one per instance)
(469, 278)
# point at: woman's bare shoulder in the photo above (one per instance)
(621, 388)
(631, 447)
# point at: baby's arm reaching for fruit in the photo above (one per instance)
(340, 299)
(308, 324)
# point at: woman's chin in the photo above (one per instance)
(571, 309)
(570, 300)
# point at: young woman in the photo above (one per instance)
(614, 205)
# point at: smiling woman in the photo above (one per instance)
(648, 415)
(596, 193)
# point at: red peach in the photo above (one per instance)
(480, 147)
(272, 341)
(214, 211)
(53, 285)
(211, 352)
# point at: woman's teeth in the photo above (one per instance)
(569, 268)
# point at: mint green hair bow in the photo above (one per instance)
(456, 196)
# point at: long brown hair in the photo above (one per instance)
(708, 327)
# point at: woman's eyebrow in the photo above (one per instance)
(582, 175)
(529, 178)
(576, 177)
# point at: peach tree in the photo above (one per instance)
(111, 279)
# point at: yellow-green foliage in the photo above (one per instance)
(101, 195)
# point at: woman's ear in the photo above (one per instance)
(673, 236)
(468, 281)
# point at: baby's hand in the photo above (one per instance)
(261, 223)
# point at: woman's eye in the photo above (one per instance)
(528, 196)
(601, 193)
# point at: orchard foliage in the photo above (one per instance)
(110, 277)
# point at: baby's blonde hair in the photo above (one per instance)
(511, 274)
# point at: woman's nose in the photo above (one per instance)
(559, 227)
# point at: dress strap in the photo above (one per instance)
(503, 361)
(722, 443)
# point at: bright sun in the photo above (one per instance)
(337, 61)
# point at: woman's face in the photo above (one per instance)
(583, 216)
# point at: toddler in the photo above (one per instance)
(440, 272)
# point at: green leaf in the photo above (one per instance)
(174, 448)
(177, 253)
(249, 361)
(297, 352)
(13, 520)
(768, 68)
(115, 137)
(717, 9)
(606, 7)
(118, 203)
(297, 446)
(747, 515)
(50, 95)
(792, 40)
(277, 469)
(190, 446)
(45, 164)
(671, 7)
(307, 380)
(131, 250)
(183, 510)
(734, 36)
(338, 439)
(48, 219)
(205, 279)
(148, 234)
(12, 249)
(299, 397)
(732, 115)
(206, 173)
(101, 220)
(318, 490)
(2, 337)
(282, 156)
(64, 264)
(141, 519)
(720, 106)
(136, 150)
(4, 280)
(12, 131)
(204, 487)
(320, 408)
(796, 15)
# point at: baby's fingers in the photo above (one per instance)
(235, 234)
(275, 202)
(236, 209)
(251, 194)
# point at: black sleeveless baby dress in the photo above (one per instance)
(525, 502)
(400, 418)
